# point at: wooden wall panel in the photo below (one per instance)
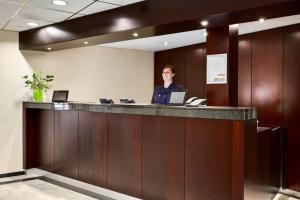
(292, 104)
(267, 76)
(195, 70)
(190, 66)
(66, 143)
(291, 75)
(245, 70)
(233, 64)
(293, 158)
(161, 59)
(163, 158)
(124, 153)
(208, 158)
(218, 43)
(93, 148)
(177, 60)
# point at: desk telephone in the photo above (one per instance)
(125, 100)
(106, 101)
(195, 101)
(110, 101)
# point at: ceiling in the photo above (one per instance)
(157, 43)
(194, 37)
(15, 14)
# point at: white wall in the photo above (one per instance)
(93, 72)
(12, 67)
(88, 73)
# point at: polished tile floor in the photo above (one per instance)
(38, 190)
(283, 197)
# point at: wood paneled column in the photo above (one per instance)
(222, 40)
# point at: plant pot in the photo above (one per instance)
(37, 95)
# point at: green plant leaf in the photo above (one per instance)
(38, 81)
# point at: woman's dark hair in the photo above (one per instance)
(170, 67)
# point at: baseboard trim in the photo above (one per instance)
(12, 174)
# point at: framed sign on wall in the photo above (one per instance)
(216, 69)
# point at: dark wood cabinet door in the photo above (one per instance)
(244, 70)
(208, 159)
(292, 75)
(163, 158)
(45, 140)
(66, 143)
(93, 148)
(195, 70)
(124, 153)
(267, 76)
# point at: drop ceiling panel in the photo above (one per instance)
(122, 2)
(9, 9)
(3, 20)
(15, 1)
(23, 22)
(43, 14)
(98, 7)
(15, 28)
(72, 5)
(157, 43)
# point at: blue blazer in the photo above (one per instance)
(161, 94)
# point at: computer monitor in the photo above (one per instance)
(60, 96)
(177, 97)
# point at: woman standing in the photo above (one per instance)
(162, 92)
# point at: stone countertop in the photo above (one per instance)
(203, 112)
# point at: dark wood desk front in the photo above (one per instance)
(146, 156)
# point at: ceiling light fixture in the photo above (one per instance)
(59, 2)
(49, 49)
(32, 24)
(166, 43)
(205, 34)
(204, 23)
(135, 34)
(261, 20)
(86, 42)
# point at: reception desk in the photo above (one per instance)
(146, 151)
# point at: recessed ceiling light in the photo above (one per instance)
(59, 2)
(166, 43)
(49, 49)
(261, 20)
(86, 42)
(135, 34)
(32, 24)
(204, 23)
(205, 34)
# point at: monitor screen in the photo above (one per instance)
(60, 96)
(177, 97)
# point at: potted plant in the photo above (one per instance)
(38, 84)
